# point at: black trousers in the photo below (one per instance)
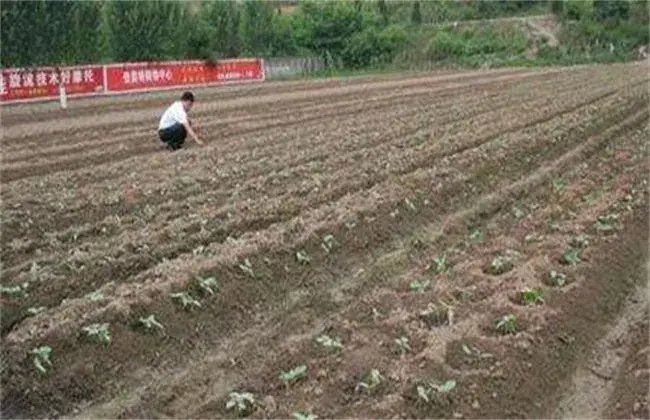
(174, 136)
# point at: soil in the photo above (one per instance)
(402, 215)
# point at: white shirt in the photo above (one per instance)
(174, 114)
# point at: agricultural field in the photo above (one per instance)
(458, 245)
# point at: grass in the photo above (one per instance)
(209, 285)
(419, 286)
(186, 300)
(532, 297)
(150, 322)
(247, 267)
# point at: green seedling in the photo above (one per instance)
(530, 297)
(98, 333)
(557, 279)
(15, 291)
(517, 212)
(35, 310)
(150, 323)
(329, 342)
(370, 380)
(431, 390)
(500, 264)
(571, 256)
(96, 296)
(302, 257)
(242, 402)
(329, 243)
(439, 265)
(403, 345)
(559, 184)
(507, 324)
(580, 241)
(186, 300)
(476, 235)
(247, 267)
(376, 314)
(437, 315)
(42, 358)
(209, 285)
(300, 416)
(294, 375)
(410, 204)
(532, 237)
(419, 286)
(606, 223)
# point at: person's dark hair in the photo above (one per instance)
(187, 96)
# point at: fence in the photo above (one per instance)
(52, 83)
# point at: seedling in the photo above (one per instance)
(95, 296)
(606, 223)
(499, 265)
(403, 345)
(300, 416)
(329, 342)
(431, 390)
(559, 184)
(439, 265)
(476, 235)
(517, 212)
(370, 380)
(557, 279)
(580, 241)
(294, 375)
(474, 352)
(186, 300)
(209, 285)
(98, 333)
(302, 257)
(437, 315)
(247, 267)
(419, 286)
(376, 314)
(35, 310)
(532, 237)
(42, 358)
(592, 197)
(15, 291)
(410, 204)
(507, 324)
(329, 243)
(150, 323)
(530, 297)
(571, 256)
(242, 402)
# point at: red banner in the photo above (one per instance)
(151, 76)
(43, 83)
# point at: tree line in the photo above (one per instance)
(354, 33)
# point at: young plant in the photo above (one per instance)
(98, 333)
(606, 223)
(500, 264)
(476, 235)
(376, 314)
(507, 324)
(302, 257)
(437, 315)
(557, 279)
(428, 392)
(186, 300)
(42, 358)
(329, 342)
(294, 375)
(150, 323)
(329, 243)
(96, 296)
(410, 204)
(247, 267)
(571, 256)
(559, 185)
(439, 265)
(242, 402)
(209, 285)
(35, 310)
(403, 345)
(14, 291)
(531, 297)
(300, 416)
(580, 241)
(517, 212)
(419, 286)
(371, 380)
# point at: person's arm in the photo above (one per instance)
(188, 127)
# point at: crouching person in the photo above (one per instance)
(174, 124)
